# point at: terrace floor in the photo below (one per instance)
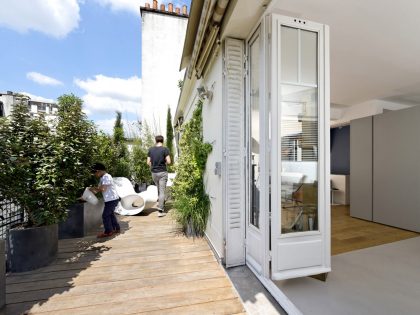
(150, 268)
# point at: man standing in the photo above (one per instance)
(157, 158)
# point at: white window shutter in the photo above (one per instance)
(234, 170)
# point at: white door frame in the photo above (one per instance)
(264, 273)
(300, 254)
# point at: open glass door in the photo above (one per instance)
(300, 233)
(255, 249)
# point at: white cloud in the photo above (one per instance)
(55, 18)
(107, 94)
(42, 79)
(123, 5)
(38, 98)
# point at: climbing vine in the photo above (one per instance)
(191, 202)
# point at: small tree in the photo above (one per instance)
(170, 137)
(121, 163)
(75, 142)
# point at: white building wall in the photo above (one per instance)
(7, 101)
(162, 43)
(213, 133)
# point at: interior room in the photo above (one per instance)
(375, 79)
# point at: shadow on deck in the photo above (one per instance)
(149, 268)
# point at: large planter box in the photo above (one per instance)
(31, 248)
(83, 219)
(2, 275)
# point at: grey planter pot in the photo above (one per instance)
(31, 248)
(83, 219)
(2, 274)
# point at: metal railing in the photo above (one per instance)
(10, 215)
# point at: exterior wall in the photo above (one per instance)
(7, 101)
(213, 133)
(162, 42)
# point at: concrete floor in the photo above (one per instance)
(257, 300)
(379, 280)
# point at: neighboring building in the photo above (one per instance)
(263, 70)
(163, 33)
(8, 99)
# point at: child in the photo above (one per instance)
(111, 198)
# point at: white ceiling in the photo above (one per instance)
(375, 47)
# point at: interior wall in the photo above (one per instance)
(361, 168)
(396, 172)
(343, 115)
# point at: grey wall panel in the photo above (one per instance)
(396, 169)
(361, 168)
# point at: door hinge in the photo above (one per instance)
(270, 257)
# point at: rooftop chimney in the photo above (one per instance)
(155, 4)
(170, 7)
(162, 7)
(178, 10)
(147, 5)
(184, 9)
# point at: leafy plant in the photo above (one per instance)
(191, 202)
(44, 168)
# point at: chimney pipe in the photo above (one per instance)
(170, 7)
(155, 4)
(184, 9)
(147, 5)
(162, 7)
(178, 11)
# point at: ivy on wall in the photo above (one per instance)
(191, 202)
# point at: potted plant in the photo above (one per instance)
(42, 171)
(75, 140)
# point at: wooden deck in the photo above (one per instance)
(150, 268)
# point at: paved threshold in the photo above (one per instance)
(150, 268)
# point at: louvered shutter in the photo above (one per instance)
(234, 170)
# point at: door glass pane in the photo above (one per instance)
(299, 158)
(308, 57)
(289, 54)
(255, 131)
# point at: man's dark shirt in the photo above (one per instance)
(158, 156)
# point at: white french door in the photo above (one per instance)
(299, 111)
(257, 208)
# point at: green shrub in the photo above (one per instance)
(191, 202)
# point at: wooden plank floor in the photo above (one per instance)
(150, 268)
(348, 234)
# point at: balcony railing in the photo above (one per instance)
(10, 215)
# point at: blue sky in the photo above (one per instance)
(91, 48)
